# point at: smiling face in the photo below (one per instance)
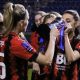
(38, 19)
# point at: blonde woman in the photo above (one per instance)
(18, 51)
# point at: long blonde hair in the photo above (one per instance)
(13, 13)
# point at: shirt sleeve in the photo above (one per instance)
(20, 49)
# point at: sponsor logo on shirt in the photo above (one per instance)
(61, 62)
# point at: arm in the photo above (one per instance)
(19, 50)
(70, 54)
(47, 58)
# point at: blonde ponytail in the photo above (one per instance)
(13, 13)
(8, 17)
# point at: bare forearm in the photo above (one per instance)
(70, 54)
(51, 49)
(47, 58)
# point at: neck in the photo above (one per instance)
(16, 30)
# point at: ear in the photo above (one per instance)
(21, 22)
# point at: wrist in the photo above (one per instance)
(65, 34)
(52, 37)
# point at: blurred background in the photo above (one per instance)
(45, 5)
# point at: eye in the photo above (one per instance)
(68, 20)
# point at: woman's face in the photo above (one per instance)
(38, 19)
(25, 25)
(50, 20)
(26, 21)
(69, 19)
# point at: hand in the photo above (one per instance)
(54, 32)
(68, 29)
(36, 67)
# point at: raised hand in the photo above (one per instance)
(68, 28)
(54, 32)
